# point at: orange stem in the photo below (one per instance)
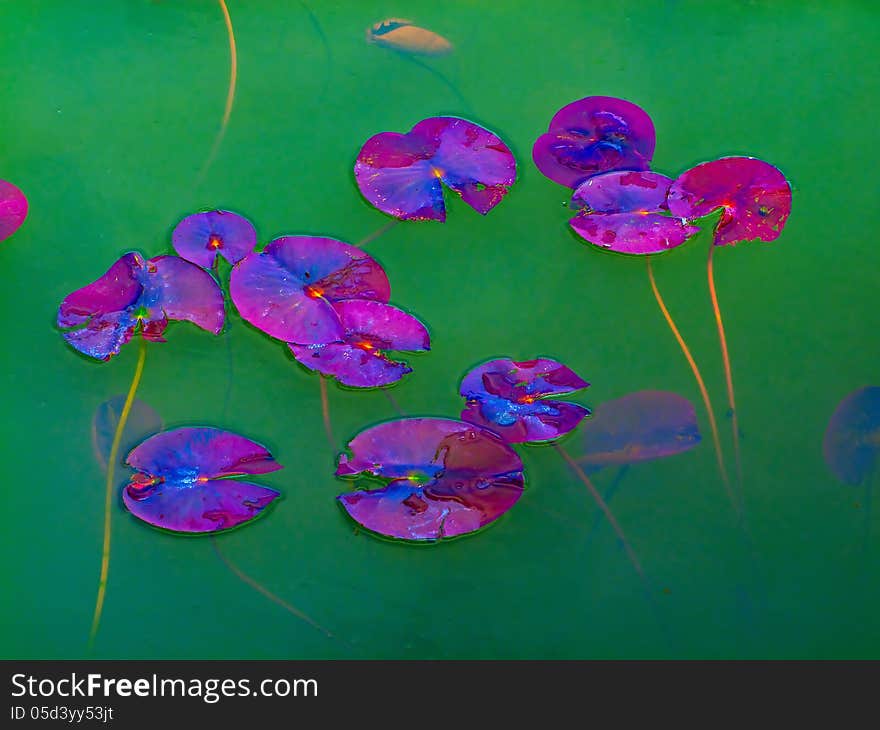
(719, 456)
(325, 412)
(604, 507)
(725, 356)
(266, 592)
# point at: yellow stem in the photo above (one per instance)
(108, 496)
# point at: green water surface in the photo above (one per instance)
(108, 111)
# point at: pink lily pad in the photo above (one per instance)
(13, 209)
(594, 135)
(445, 478)
(182, 480)
(754, 196)
(137, 295)
(288, 290)
(510, 398)
(401, 174)
(201, 237)
(626, 212)
(370, 330)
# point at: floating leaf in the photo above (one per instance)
(626, 212)
(13, 209)
(510, 398)
(183, 483)
(445, 478)
(101, 317)
(755, 198)
(401, 174)
(370, 330)
(594, 135)
(288, 289)
(201, 237)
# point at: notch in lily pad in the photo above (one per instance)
(403, 174)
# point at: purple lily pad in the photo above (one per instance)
(137, 294)
(201, 237)
(594, 135)
(288, 289)
(445, 478)
(401, 174)
(182, 481)
(852, 439)
(754, 196)
(370, 329)
(640, 426)
(143, 421)
(510, 398)
(625, 211)
(13, 209)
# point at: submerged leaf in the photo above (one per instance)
(142, 421)
(852, 439)
(640, 426)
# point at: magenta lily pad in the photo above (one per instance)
(626, 212)
(640, 426)
(13, 209)
(511, 398)
(852, 439)
(401, 174)
(594, 135)
(288, 289)
(138, 295)
(370, 330)
(201, 237)
(754, 196)
(183, 480)
(445, 478)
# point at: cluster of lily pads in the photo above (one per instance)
(429, 478)
(601, 147)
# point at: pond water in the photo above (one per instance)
(109, 112)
